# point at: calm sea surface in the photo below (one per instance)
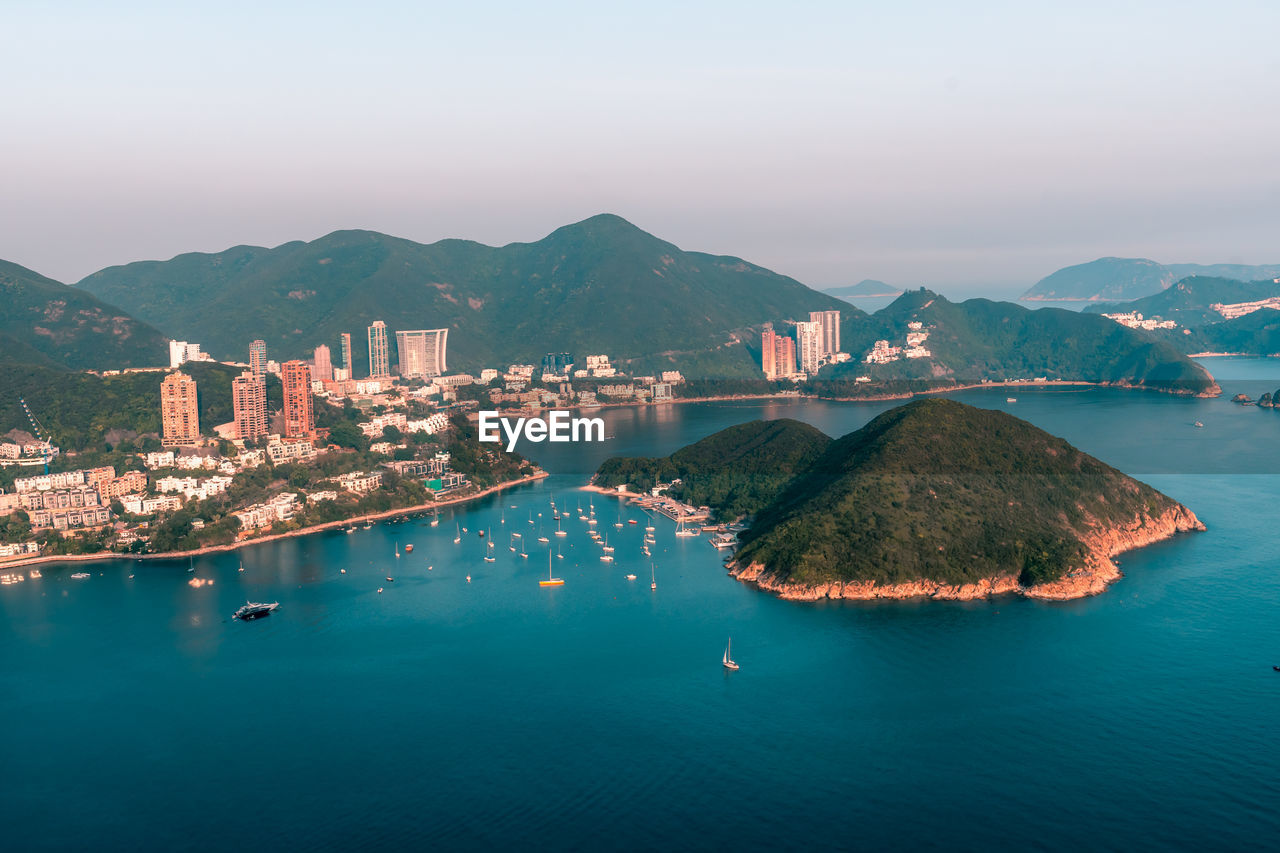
(135, 714)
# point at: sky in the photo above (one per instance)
(971, 145)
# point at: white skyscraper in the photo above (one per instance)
(422, 353)
(829, 323)
(809, 345)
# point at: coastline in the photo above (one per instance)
(302, 531)
(1099, 571)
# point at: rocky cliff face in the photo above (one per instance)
(1090, 579)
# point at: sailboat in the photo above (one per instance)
(503, 518)
(559, 530)
(559, 556)
(435, 520)
(551, 580)
(242, 565)
(681, 530)
(514, 537)
(488, 557)
(608, 549)
(653, 580)
(397, 550)
(728, 661)
(458, 538)
(542, 537)
(192, 566)
(531, 516)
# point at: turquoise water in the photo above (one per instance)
(137, 715)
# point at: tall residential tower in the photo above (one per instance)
(249, 405)
(422, 353)
(179, 412)
(298, 419)
(258, 359)
(379, 358)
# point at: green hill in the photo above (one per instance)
(1189, 302)
(48, 324)
(738, 470)
(598, 286)
(942, 492)
(79, 410)
(979, 339)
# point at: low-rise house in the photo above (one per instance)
(360, 482)
(143, 505)
(66, 519)
(128, 483)
(290, 451)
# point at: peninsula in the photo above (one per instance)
(934, 498)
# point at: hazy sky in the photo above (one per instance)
(919, 143)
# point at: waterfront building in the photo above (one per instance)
(829, 333)
(808, 346)
(298, 416)
(557, 363)
(777, 354)
(258, 358)
(324, 367)
(179, 411)
(249, 405)
(379, 358)
(422, 352)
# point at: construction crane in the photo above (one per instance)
(46, 451)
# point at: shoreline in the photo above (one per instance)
(1093, 578)
(302, 531)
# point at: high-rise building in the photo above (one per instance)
(557, 362)
(344, 342)
(379, 359)
(324, 368)
(179, 412)
(249, 405)
(768, 347)
(422, 352)
(258, 359)
(298, 420)
(809, 346)
(829, 326)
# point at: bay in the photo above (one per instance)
(138, 715)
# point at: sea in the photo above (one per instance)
(438, 701)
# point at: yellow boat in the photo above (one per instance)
(551, 581)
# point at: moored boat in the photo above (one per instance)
(256, 610)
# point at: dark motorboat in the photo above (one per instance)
(255, 610)
(1276, 668)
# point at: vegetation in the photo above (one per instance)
(934, 490)
(738, 471)
(48, 324)
(1124, 279)
(601, 285)
(81, 410)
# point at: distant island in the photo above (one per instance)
(868, 288)
(1125, 279)
(934, 498)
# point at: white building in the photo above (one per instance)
(180, 352)
(809, 346)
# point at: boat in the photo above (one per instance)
(349, 530)
(653, 580)
(397, 550)
(559, 530)
(255, 610)
(481, 533)
(551, 579)
(645, 550)
(192, 566)
(367, 525)
(35, 574)
(726, 660)
(342, 571)
(80, 575)
(681, 530)
(607, 548)
(468, 578)
(464, 530)
(488, 557)
(458, 538)
(435, 520)
(379, 590)
(631, 577)
(242, 565)
(408, 549)
(632, 521)
(1199, 425)
(390, 579)
(1011, 399)
(723, 540)
(1276, 668)
(606, 558)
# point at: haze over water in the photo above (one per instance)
(138, 715)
